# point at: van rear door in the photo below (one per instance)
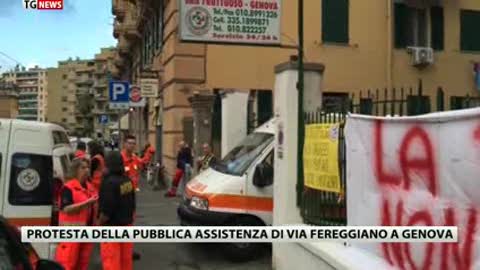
(28, 176)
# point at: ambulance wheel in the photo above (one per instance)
(242, 252)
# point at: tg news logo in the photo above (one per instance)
(43, 4)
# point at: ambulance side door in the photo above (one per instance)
(260, 185)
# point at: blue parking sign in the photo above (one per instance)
(119, 93)
(103, 119)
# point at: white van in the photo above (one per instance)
(34, 157)
(237, 191)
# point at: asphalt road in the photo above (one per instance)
(155, 209)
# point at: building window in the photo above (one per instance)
(64, 76)
(64, 120)
(469, 36)
(144, 50)
(64, 99)
(64, 109)
(159, 27)
(335, 21)
(413, 28)
(155, 32)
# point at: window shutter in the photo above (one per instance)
(335, 21)
(437, 22)
(470, 39)
(400, 20)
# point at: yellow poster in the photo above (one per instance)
(320, 157)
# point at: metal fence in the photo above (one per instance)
(328, 208)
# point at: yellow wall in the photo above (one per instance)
(360, 65)
(453, 69)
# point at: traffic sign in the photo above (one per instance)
(119, 94)
(103, 119)
(136, 99)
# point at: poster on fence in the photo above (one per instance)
(320, 157)
(423, 170)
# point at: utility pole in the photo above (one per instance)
(301, 122)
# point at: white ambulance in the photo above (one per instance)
(236, 191)
(34, 158)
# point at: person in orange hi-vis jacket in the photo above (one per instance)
(133, 164)
(97, 163)
(117, 208)
(76, 209)
(97, 169)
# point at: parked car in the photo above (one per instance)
(16, 255)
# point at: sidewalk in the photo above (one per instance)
(156, 210)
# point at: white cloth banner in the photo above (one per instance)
(422, 170)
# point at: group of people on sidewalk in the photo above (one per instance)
(185, 162)
(100, 191)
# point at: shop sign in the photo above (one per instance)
(231, 21)
(149, 87)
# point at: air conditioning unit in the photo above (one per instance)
(421, 56)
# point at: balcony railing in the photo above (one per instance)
(119, 62)
(100, 97)
(123, 45)
(24, 95)
(119, 9)
(30, 117)
(84, 82)
(117, 28)
(100, 84)
(27, 101)
(131, 26)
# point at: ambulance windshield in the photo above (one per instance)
(237, 161)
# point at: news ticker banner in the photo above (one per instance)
(229, 234)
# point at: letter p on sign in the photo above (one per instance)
(118, 90)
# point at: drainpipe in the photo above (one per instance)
(389, 43)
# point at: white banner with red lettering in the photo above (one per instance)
(422, 170)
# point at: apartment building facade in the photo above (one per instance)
(372, 44)
(79, 94)
(104, 117)
(8, 100)
(33, 95)
(71, 96)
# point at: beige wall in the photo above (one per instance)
(8, 106)
(183, 71)
(54, 100)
